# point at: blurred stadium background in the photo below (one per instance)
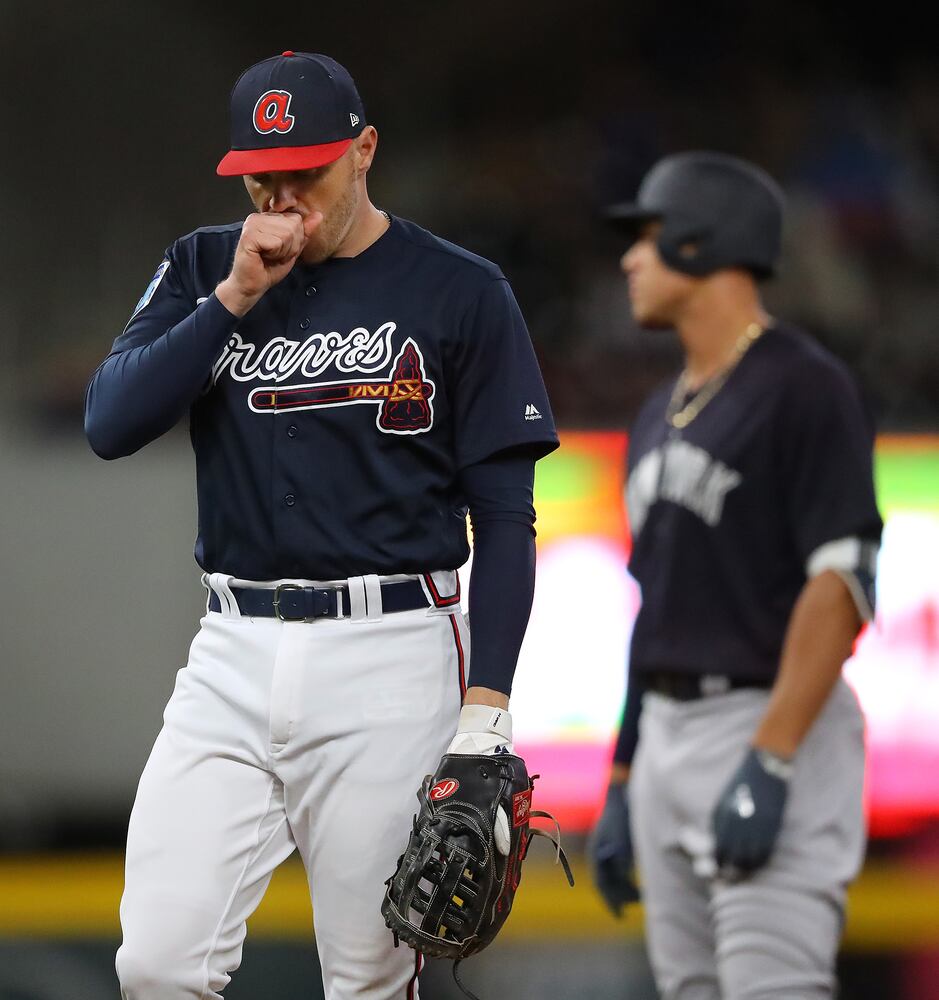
(503, 127)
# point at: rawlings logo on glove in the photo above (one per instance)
(444, 789)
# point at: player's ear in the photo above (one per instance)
(364, 148)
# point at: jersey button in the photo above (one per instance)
(292, 431)
(290, 499)
(310, 292)
(305, 323)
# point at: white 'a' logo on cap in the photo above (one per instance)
(353, 118)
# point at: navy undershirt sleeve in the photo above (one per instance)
(140, 392)
(498, 492)
(628, 737)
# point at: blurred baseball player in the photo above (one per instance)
(353, 385)
(755, 537)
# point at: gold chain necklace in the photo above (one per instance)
(680, 416)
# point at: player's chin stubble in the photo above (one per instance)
(334, 228)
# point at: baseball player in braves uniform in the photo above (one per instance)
(353, 384)
(755, 535)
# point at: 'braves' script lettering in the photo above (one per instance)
(281, 359)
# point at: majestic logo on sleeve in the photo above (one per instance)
(272, 112)
(403, 395)
(684, 474)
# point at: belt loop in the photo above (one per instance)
(356, 599)
(219, 582)
(373, 603)
(711, 685)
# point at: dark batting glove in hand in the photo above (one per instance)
(610, 851)
(748, 816)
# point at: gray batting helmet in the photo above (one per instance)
(716, 211)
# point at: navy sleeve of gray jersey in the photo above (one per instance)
(499, 395)
(157, 366)
(502, 585)
(826, 468)
(628, 738)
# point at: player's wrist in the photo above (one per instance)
(483, 729)
(236, 301)
(476, 695)
(777, 734)
(778, 765)
(619, 773)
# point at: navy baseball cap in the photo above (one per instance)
(291, 112)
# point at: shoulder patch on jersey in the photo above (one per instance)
(152, 287)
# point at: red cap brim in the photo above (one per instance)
(263, 161)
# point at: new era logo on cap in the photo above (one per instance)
(294, 111)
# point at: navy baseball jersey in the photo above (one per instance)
(330, 424)
(730, 514)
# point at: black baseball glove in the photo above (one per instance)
(455, 883)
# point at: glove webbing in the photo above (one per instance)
(450, 881)
(560, 857)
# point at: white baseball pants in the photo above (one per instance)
(282, 736)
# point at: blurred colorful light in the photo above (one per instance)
(568, 694)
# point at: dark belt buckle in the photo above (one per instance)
(321, 603)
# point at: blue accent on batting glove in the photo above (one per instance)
(610, 851)
(748, 816)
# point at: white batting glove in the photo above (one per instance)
(486, 730)
(483, 729)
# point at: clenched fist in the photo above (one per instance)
(269, 246)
